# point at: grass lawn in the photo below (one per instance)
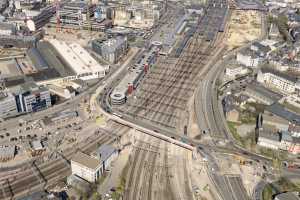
(233, 130)
(267, 192)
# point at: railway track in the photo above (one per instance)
(139, 184)
(54, 170)
(151, 174)
(131, 173)
(163, 94)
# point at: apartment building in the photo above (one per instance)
(277, 80)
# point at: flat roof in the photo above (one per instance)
(105, 151)
(7, 151)
(36, 145)
(54, 59)
(85, 160)
(279, 74)
(264, 91)
(280, 111)
(77, 57)
(31, 87)
(86, 58)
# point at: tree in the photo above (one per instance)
(96, 196)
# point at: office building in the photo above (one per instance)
(31, 97)
(111, 50)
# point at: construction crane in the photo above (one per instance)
(88, 17)
(57, 8)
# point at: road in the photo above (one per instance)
(211, 120)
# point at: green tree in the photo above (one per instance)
(96, 196)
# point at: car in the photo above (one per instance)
(7, 134)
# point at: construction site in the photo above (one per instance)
(244, 26)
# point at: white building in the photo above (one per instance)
(269, 140)
(276, 79)
(8, 106)
(235, 70)
(64, 92)
(30, 97)
(247, 59)
(81, 62)
(86, 167)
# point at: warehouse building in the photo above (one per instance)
(111, 50)
(81, 62)
(31, 97)
(86, 167)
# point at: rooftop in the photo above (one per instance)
(287, 196)
(263, 91)
(77, 57)
(280, 111)
(86, 160)
(112, 44)
(27, 87)
(7, 151)
(279, 74)
(36, 145)
(286, 136)
(104, 152)
(261, 47)
(269, 134)
(6, 26)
